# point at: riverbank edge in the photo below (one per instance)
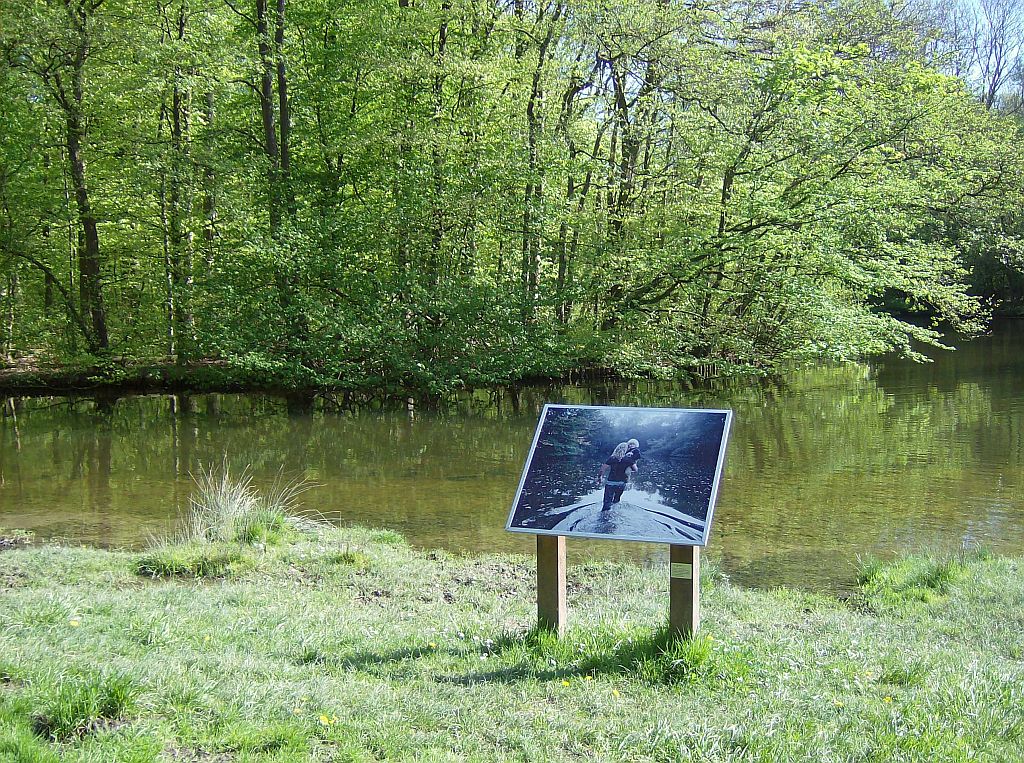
(128, 377)
(380, 651)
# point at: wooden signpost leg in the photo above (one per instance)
(551, 610)
(684, 590)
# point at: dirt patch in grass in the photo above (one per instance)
(12, 539)
(375, 596)
(10, 580)
(497, 577)
(45, 727)
(196, 755)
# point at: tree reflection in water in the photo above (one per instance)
(824, 464)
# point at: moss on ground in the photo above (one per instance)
(349, 645)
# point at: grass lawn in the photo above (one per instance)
(348, 645)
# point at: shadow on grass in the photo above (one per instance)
(656, 657)
(651, 656)
(337, 657)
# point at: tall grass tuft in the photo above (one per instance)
(228, 508)
(226, 514)
(922, 578)
(197, 560)
(868, 568)
(218, 503)
(86, 703)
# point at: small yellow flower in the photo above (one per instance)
(206, 638)
(588, 678)
(74, 622)
(615, 692)
(886, 699)
(433, 645)
(296, 710)
(565, 683)
(840, 703)
(324, 720)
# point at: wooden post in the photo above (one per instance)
(551, 611)
(684, 590)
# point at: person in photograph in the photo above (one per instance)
(633, 452)
(617, 468)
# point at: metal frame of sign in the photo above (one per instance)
(714, 486)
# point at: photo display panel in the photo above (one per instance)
(644, 474)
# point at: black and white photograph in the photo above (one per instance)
(644, 474)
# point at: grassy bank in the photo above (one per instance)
(347, 645)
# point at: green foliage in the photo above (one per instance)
(467, 193)
(903, 674)
(655, 657)
(868, 569)
(18, 744)
(264, 525)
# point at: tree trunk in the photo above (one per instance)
(181, 239)
(165, 229)
(10, 311)
(266, 95)
(90, 286)
(209, 189)
(176, 195)
(284, 110)
(273, 68)
(533, 193)
(437, 212)
(89, 257)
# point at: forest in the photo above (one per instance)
(433, 194)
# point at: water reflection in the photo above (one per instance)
(822, 466)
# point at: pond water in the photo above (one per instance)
(823, 466)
